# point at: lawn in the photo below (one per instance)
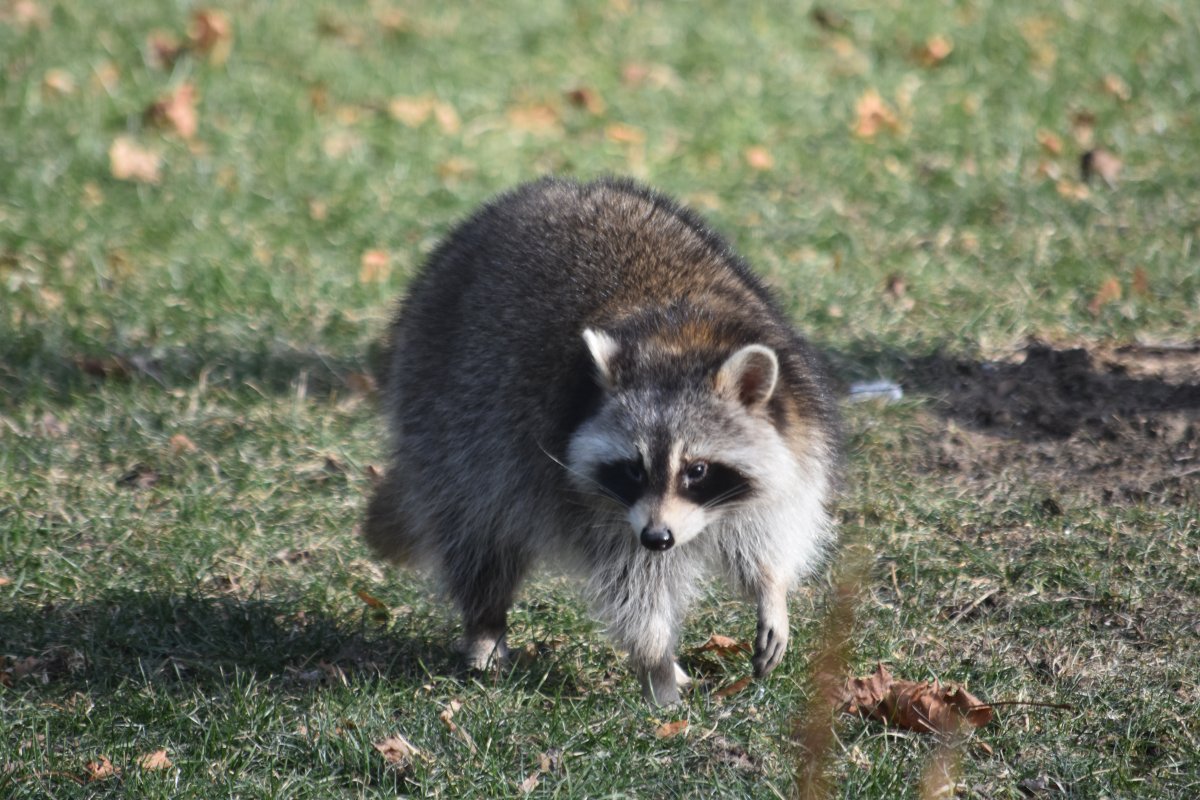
(208, 211)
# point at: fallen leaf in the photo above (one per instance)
(411, 111)
(1117, 87)
(1141, 282)
(104, 367)
(447, 718)
(1101, 163)
(918, 706)
(732, 689)
(140, 477)
(25, 14)
(1072, 190)
(529, 784)
(538, 119)
(447, 118)
(156, 760)
(587, 99)
(397, 751)
(656, 76)
(130, 161)
(106, 76)
(828, 19)
(58, 82)
(180, 443)
(1050, 142)
(375, 266)
(934, 51)
(759, 158)
(211, 33)
(340, 143)
(1109, 292)
(670, 729)
(177, 111)
(371, 600)
(360, 383)
(1083, 127)
(100, 769)
(5, 580)
(625, 134)
(872, 114)
(163, 49)
(723, 646)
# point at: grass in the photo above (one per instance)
(209, 607)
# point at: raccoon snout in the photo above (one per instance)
(659, 538)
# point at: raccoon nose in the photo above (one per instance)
(659, 538)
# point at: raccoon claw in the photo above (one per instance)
(769, 647)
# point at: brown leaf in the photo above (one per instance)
(360, 383)
(5, 580)
(759, 158)
(828, 19)
(100, 769)
(177, 111)
(732, 689)
(397, 751)
(156, 760)
(587, 99)
(529, 784)
(934, 51)
(1050, 142)
(670, 729)
(1101, 163)
(1117, 87)
(1109, 292)
(163, 49)
(723, 646)
(539, 119)
(918, 706)
(58, 83)
(371, 600)
(447, 118)
(375, 266)
(1141, 282)
(411, 111)
(104, 367)
(180, 443)
(130, 161)
(211, 33)
(872, 114)
(625, 134)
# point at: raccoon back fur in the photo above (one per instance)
(588, 373)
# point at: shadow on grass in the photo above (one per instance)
(194, 641)
(56, 374)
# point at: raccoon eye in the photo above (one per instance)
(634, 471)
(696, 472)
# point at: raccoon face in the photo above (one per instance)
(675, 456)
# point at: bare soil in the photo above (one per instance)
(1113, 424)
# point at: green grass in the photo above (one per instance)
(215, 613)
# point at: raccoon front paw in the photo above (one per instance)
(662, 682)
(483, 653)
(769, 647)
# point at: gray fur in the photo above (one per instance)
(503, 412)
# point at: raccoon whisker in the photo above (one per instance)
(604, 491)
(723, 496)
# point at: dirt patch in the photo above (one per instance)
(1111, 423)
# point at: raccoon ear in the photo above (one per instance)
(749, 375)
(602, 348)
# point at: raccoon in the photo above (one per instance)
(586, 373)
